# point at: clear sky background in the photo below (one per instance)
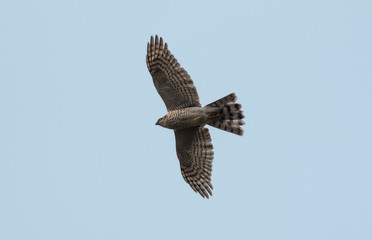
(81, 157)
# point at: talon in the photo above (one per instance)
(214, 115)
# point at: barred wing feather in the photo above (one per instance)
(172, 82)
(195, 153)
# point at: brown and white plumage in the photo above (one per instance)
(172, 82)
(195, 152)
(187, 118)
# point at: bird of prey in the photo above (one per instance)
(188, 118)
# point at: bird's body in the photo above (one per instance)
(184, 118)
(187, 117)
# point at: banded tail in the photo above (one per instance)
(225, 114)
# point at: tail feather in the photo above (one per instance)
(225, 114)
(231, 111)
(220, 102)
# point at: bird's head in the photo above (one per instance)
(161, 121)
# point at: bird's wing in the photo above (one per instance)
(195, 153)
(172, 82)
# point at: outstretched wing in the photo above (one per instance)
(195, 153)
(172, 82)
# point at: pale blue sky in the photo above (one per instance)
(81, 157)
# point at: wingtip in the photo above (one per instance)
(156, 40)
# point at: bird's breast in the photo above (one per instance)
(185, 118)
